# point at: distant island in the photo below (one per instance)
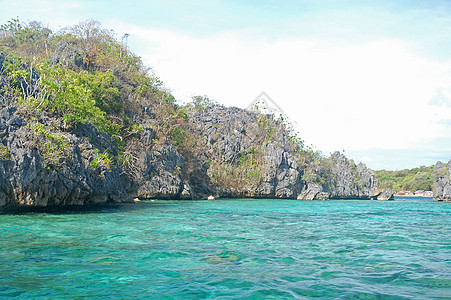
(83, 122)
(415, 179)
(408, 182)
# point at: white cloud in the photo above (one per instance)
(52, 13)
(442, 98)
(363, 92)
(373, 95)
(366, 159)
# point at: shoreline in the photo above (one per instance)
(412, 196)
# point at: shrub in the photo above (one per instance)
(4, 153)
(53, 147)
(102, 160)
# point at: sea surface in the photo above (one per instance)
(231, 249)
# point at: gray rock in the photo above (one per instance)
(385, 195)
(163, 175)
(337, 177)
(442, 184)
(229, 134)
(257, 163)
(27, 179)
(313, 192)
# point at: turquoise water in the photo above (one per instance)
(231, 249)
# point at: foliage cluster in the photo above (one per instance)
(267, 127)
(200, 103)
(53, 146)
(4, 152)
(82, 74)
(421, 178)
(102, 160)
(247, 172)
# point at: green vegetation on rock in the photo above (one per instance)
(4, 152)
(53, 146)
(96, 112)
(81, 75)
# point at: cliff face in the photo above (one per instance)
(83, 121)
(442, 186)
(348, 180)
(245, 154)
(32, 175)
(236, 157)
(338, 177)
(161, 175)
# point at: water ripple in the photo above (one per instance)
(235, 249)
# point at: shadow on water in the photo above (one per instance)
(86, 209)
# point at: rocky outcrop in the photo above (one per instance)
(338, 177)
(30, 177)
(348, 180)
(232, 135)
(51, 156)
(313, 192)
(242, 158)
(442, 185)
(385, 195)
(162, 175)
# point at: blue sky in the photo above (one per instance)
(372, 78)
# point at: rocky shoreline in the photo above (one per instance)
(84, 122)
(161, 171)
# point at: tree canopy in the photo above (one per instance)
(415, 179)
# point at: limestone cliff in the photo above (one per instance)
(35, 171)
(237, 158)
(83, 121)
(442, 185)
(246, 154)
(338, 177)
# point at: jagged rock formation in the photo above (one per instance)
(162, 178)
(385, 195)
(313, 191)
(84, 122)
(338, 178)
(237, 160)
(270, 169)
(442, 186)
(241, 158)
(28, 178)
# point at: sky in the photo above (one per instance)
(370, 78)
